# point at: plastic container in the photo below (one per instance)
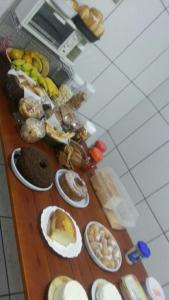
(154, 289)
(117, 205)
(131, 288)
(137, 253)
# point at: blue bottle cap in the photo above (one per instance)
(144, 249)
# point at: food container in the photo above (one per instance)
(117, 205)
(32, 130)
(137, 253)
(153, 289)
(131, 288)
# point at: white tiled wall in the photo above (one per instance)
(129, 62)
(129, 67)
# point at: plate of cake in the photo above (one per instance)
(104, 290)
(102, 247)
(61, 232)
(38, 174)
(65, 288)
(72, 188)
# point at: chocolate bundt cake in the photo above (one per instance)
(34, 166)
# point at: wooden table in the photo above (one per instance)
(39, 263)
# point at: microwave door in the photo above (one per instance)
(51, 25)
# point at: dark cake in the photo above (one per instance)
(34, 166)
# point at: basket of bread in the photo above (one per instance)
(90, 22)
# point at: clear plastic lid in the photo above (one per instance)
(114, 197)
(154, 289)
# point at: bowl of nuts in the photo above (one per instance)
(102, 247)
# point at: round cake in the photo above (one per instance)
(34, 166)
(62, 228)
(71, 290)
(73, 186)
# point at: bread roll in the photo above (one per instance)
(97, 13)
(99, 31)
(84, 12)
(62, 229)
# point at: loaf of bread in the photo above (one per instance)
(61, 228)
(108, 195)
(93, 19)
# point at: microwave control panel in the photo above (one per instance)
(70, 43)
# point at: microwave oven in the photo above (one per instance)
(45, 21)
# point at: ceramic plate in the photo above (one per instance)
(14, 157)
(81, 204)
(73, 249)
(92, 254)
(98, 282)
(55, 284)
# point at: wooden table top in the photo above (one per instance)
(39, 263)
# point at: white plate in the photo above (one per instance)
(55, 284)
(95, 285)
(92, 254)
(73, 249)
(20, 177)
(83, 203)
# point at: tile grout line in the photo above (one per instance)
(128, 168)
(111, 13)
(159, 111)
(142, 160)
(12, 294)
(3, 249)
(133, 41)
(138, 128)
(147, 156)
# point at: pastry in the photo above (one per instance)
(73, 186)
(98, 32)
(32, 130)
(34, 166)
(30, 108)
(56, 134)
(62, 228)
(104, 245)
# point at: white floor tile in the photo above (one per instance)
(114, 161)
(144, 141)
(147, 228)
(108, 85)
(90, 63)
(108, 141)
(159, 203)
(5, 5)
(132, 188)
(136, 15)
(3, 280)
(119, 107)
(153, 172)
(160, 95)
(165, 113)
(17, 297)
(130, 122)
(13, 268)
(150, 44)
(5, 208)
(154, 75)
(166, 291)
(158, 264)
(1, 155)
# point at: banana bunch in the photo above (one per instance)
(52, 89)
(35, 65)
